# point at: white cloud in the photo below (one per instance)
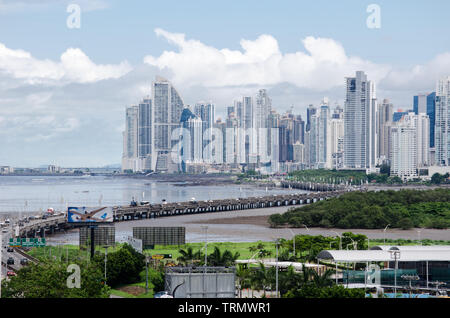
(74, 66)
(322, 66)
(419, 77)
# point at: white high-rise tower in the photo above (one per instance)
(360, 141)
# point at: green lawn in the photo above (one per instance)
(242, 248)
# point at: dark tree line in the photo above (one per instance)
(373, 210)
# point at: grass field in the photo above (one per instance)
(71, 252)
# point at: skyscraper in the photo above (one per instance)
(359, 123)
(410, 141)
(262, 109)
(166, 114)
(323, 135)
(205, 111)
(385, 114)
(403, 151)
(144, 128)
(442, 123)
(130, 138)
(310, 111)
(431, 112)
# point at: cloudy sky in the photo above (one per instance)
(64, 89)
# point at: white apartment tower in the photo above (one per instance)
(410, 145)
(360, 141)
(166, 114)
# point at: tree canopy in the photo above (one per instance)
(373, 210)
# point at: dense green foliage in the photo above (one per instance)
(439, 178)
(122, 266)
(217, 258)
(49, 280)
(329, 176)
(306, 284)
(335, 291)
(374, 210)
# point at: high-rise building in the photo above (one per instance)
(335, 153)
(130, 138)
(431, 112)
(410, 145)
(425, 104)
(442, 122)
(323, 151)
(403, 149)
(360, 123)
(206, 113)
(166, 113)
(310, 111)
(144, 128)
(262, 109)
(385, 115)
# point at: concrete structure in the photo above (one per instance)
(201, 282)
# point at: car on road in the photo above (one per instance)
(11, 273)
(162, 294)
(10, 250)
(10, 261)
(24, 261)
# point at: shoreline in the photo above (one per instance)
(247, 226)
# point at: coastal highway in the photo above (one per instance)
(6, 255)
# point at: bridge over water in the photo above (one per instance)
(125, 213)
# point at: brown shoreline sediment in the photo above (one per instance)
(260, 220)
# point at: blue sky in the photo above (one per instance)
(121, 52)
(410, 32)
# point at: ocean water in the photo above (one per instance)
(38, 193)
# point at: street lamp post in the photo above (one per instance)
(276, 269)
(384, 234)
(206, 243)
(395, 254)
(146, 274)
(293, 241)
(340, 239)
(206, 259)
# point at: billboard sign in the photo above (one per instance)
(89, 215)
(135, 243)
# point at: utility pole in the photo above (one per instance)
(384, 234)
(395, 254)
(276, 272)
(293, 240)
(146, 274)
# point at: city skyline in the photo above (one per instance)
(63, 94)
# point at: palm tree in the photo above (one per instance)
(243, 277)
(323, 280)
(188, 256)
(259, 279)
(216, 258)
